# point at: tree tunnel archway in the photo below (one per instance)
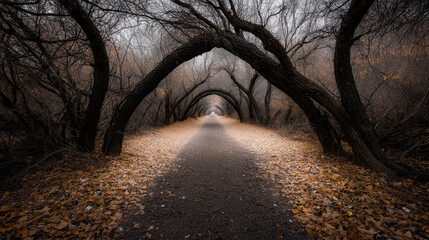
(221, 111)
(221, 93)
(269, 57)
(269, 68)
(281, 73)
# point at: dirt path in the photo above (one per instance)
(214, 193)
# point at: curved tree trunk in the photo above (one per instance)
(297, 87)
(350, 98)
(319, 124)
(114, 136)
(272, 45)
(88, 129)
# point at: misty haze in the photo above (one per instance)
(214, 119)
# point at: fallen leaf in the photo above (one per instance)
(353, 233)
(62, 225)
(149, 228)
(23, 233)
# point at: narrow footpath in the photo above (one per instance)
(213, 193)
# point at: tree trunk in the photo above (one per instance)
(256, 108)
(167, 109)
(319, 124)
(88, 129)
(145, 111)
(267, 104)
(251, 101)
(350, 98)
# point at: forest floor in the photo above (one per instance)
(199, 179)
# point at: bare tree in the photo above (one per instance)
(89, 124)
(252, 104)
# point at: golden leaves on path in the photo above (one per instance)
(90, 203)
(333, 198)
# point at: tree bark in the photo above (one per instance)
(350, 98)
(167, 108)
(89, 126)
(267, 104)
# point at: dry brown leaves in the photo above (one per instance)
(89, 204)
(333, 198)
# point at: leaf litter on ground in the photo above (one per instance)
(333, 198)
(89, 202)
